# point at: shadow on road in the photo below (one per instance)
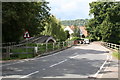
(82, 67)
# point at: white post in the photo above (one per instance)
(36, 49)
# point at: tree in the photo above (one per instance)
(55, 28)
(105, 24)
(21, 16)
(76, 32)
(67, 34)
(77, 22)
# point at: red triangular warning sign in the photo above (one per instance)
(26, 35)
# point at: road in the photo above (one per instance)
(75, 62)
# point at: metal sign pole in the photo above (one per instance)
(26, 35)
(26, 48)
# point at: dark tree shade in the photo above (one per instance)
(17, 17)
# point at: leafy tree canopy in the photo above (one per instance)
(106, 22)
(78, 22)
(55, 28)
(17, 17)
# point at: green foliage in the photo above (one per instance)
(21, 16)
(116, 54)
(20, 50)
(106, 22)
(76, 32)
(67, 34)
(55, 29)
(78, 22)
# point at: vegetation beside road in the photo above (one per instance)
(77, 22)
(29, 51)
(34, 17)
(105, 25)
(116, 54)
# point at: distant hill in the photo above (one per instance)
(77, 22)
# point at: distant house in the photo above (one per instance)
(83, 31)
(70, 29)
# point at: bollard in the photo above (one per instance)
(35, 51)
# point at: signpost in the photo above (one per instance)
(26, 36)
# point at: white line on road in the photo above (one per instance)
(74, 56)
(58, 63)
(107, 66)
(101, 67)
(30, 74)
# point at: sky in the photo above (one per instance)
(70, 9)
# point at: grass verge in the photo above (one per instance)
(19, 56)
(116, 54)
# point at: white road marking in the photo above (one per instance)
(101, 67)
(107, 66)
(58, 63)
(74, 56)
(11, 76)
(30, 74)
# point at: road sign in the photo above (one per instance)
(26, 34)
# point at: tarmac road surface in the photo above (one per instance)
(75, 62)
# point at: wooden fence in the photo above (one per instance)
(33, 48)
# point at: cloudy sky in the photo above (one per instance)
(70, 9)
